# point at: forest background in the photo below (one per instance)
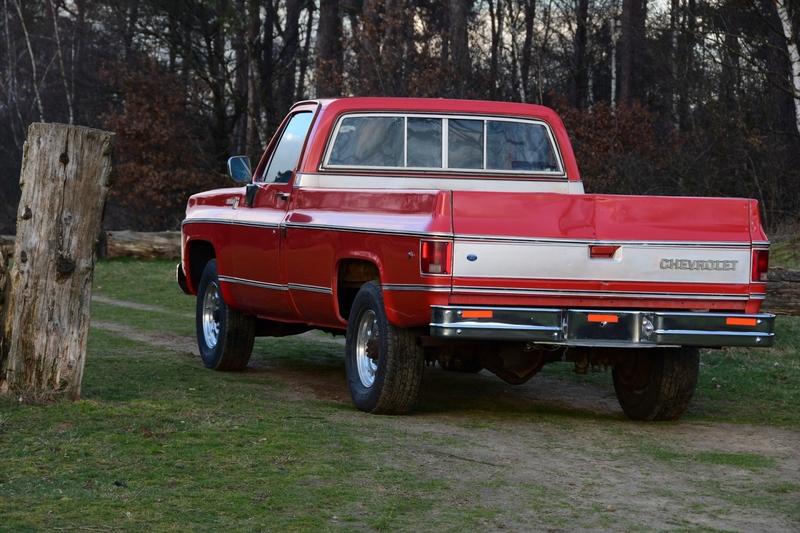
(689, 97)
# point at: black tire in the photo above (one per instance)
(389, 383)
(669, 390)
(224, 335)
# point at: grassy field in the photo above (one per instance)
(159, 443)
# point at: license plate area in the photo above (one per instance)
(600, 327)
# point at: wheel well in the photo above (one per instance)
(200, 253)
(352, 274)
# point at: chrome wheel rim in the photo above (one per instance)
(211, 304)
(366, 334)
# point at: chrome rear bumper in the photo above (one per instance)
(582, 327)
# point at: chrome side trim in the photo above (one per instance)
(310, 288)
(409, 287)
(206, 221)
(230, 222)
(463, 238)
(372, 231)
(604, 294)
(251, 283)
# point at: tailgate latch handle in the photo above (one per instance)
(602, 251)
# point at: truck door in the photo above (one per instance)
(259, 284)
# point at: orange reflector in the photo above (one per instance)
(733, 321)
(604, 318)
(476, 314)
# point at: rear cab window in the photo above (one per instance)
(385, 141)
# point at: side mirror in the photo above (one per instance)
(239, 169)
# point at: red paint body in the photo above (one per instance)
(280, 258)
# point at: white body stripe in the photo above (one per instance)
(631, 263)
(423, 182)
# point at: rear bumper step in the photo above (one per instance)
(582, 327)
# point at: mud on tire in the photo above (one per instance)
(384, 363)
(224, 335)
(669, 390)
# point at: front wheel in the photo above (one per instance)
(658, 383)
(384, 363)
(224, 335)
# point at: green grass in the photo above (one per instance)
(159, 443)
(693, 459)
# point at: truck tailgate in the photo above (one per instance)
(613, 251)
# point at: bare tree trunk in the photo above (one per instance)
(794, 55)
(253, 146)
(266, 70)
(67, 91)
(329, 49)
(459, 46)
(527, 51)
(288, 63)
(674, 18)
(34, 75)
(12, 98)
(634, 16)
(393, 47)
(301, 84)
(65, 176)
(496, 22)
(613, 54)
(371, 73)
(580, 47)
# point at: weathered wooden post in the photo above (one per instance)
(66, 172)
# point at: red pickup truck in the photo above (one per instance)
(458, 233)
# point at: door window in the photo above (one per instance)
(286, 154)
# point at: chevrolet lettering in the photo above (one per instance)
(688, 264)
(458, 233)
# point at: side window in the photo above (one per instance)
(369, 142)
(518, 146)
(286, 154)
(465, 146)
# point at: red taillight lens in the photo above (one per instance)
(760, 265)
(435, 257)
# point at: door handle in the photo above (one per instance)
(282, 195)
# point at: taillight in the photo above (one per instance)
(435, 257)
(760, 266)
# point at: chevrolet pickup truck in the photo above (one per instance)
(458, 233)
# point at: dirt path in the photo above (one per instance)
(566, 439)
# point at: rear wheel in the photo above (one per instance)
(224, 335)
(384, 363)
(658, 383)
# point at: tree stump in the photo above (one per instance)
(66, 173)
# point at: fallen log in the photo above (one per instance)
(140, 245)
(149, 246)
(783, 292)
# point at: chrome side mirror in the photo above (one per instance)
(239, 169)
